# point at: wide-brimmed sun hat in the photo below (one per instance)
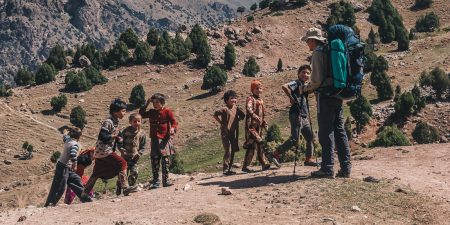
(313, 33)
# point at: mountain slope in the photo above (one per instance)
(29, 29)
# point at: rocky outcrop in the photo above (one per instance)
(29, 29)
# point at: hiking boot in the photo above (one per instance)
(228, 173)
(167, 184)
(266, 167)
(322, 174)
(247, 170)
(310, 163)
(129, 190)
(154, 185)
(343, 174)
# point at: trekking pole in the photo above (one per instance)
(312, 130)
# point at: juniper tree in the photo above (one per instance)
(203, 54)
(251, 68)
(214, 79)
(24, 77)
(45, 74)
(361, 110)
(230, 56)
(57, 57)
(279, 65)
(152, 36)
(78, 117)
(143, 53)
(58, 102)
(129, 37)
(137, 96)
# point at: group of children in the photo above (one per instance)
(130, 142)
(230, 115)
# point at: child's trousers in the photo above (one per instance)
(63, 176)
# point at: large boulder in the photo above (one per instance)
(84, 61)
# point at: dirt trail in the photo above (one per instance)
(274, 197)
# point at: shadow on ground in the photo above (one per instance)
(258, 181)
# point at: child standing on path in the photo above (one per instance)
(229, 117)
(132, 148)
(162, 126)
(254, 125)
(107, 163)
(65, 170)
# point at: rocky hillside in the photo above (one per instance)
(28, 29)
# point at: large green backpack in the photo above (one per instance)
(345, 61)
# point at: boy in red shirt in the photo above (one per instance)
(162, 126)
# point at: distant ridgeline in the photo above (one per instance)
(29, 29)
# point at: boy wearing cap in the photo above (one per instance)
(329, 110)
(254, 125)
(107, 163)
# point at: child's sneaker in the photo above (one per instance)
(129, 190)
(154, 185)
(167, 184)
(84, 199)
(247, 170)
(118, 190)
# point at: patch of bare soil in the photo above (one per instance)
(413, 189)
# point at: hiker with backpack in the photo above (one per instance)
(336, 75)
(298, 117)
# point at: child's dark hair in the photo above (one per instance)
(160, 97)
(229, 94)
(134, 116)
(303, 67)
(117, 105)
(75, 133)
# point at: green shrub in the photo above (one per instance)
(58, 102)
(276, 4)
(341, 13)
(264, 4)
(143, 53)
(214, 79)
(165, 51)
(203, 54)
(55, 156)
(428, 23)
(398, 93)
(152, 36)
(361, 110)
(370, 60)
(27, 147)
(240, 9)
(137, 96)
(230, 56)
(57, 57)
(251, 68)
(94, 76)
(24, 77)
(422, 4)
(273, 133)
(176, 165)
(301, 2)
(390, 136)
(380, 65)
(78, 117)
(402, 40)
(412, 34)
(129, 37)
(250, 18)
(372, 39)
(437, 79)
(254, 7)
(419, 101)
(279, 65)
(425, 134)
(45, 74)
(182, 50)
(404, 106)
(91, 53)
(198, 38)
(5, 91)
(77, 82)
(117, 56)
(382, 82)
